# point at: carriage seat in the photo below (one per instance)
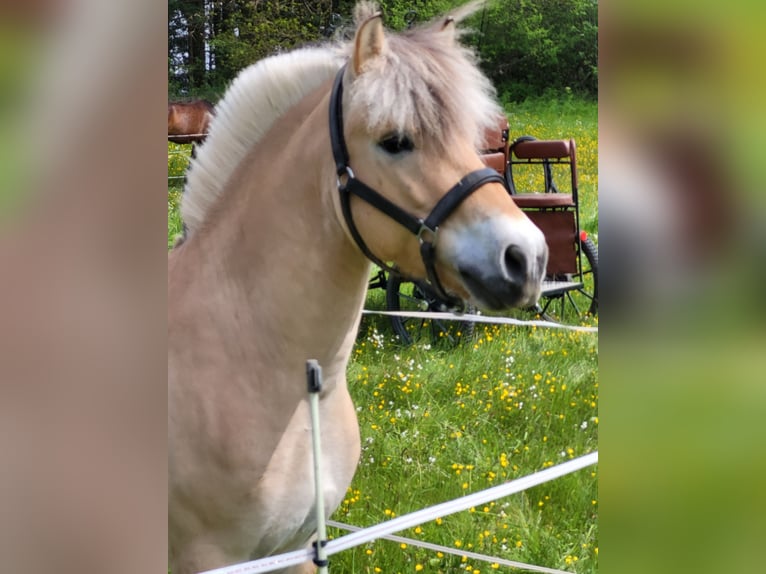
(527, 150)
(551, 210)
(540, 200)
(524, 148)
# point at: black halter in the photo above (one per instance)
(427, 229)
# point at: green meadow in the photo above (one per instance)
(440, 421)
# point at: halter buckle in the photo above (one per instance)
(425, 229)
(349, 173)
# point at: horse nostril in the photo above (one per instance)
(515, 264)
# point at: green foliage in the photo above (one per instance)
(178, 161)
(532, 48)
(19, 59)
(186, 44)
(528, 48)
(175, 225)
(210, 41)
(400, 14)
(258, 29)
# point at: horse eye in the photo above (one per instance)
(396, 143)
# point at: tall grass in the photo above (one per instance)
(438, 421)
(178, 161)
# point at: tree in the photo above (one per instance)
(531, 47)
(249, 31)
(527, 48)
(187, 21)
(209, 41)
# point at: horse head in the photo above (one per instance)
(414, 108)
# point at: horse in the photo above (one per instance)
(189, 121)
(319, 161)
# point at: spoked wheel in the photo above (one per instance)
(405, 296)
(573, 298)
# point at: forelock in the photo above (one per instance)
(428, 85)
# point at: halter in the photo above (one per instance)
(426, 230)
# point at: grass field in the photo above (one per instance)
(439, 422)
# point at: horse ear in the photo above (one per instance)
(448, 28)
(370, 42)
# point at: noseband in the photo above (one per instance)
(426, 230)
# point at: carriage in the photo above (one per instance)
(541, 177)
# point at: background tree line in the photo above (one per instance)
(529, 48)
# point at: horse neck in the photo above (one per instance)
(281, 248)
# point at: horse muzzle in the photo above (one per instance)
(499, 262)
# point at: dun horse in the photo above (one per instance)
(189, 121)
(285, 209)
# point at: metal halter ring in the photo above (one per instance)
(349, 173)
(425, 229)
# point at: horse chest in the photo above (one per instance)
(280, 513)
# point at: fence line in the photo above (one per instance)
(480, 319)
(354, 539)
(454, 551)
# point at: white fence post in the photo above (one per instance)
(314, 381)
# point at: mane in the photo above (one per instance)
(427, 85)
(257, 97)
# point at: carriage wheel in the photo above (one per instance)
(576, 305)
(405, 296)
